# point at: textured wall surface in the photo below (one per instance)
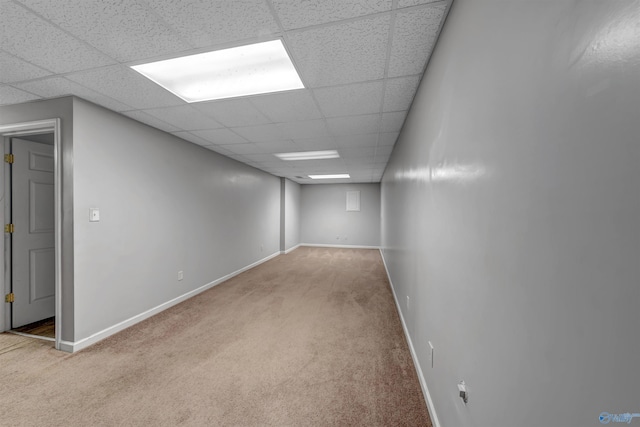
(326, 221)
(166, 205)
(291, 214)
(510, 213)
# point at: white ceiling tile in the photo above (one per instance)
(360, 161)
(378, 170)
(313, 166)
(392, 122)
(280, 146)
(350, 100)
(188, 136)
(352, 153)
(304, 129)
(219, 149)
(59, 86)
(361, 140)
(287, 106)
(220, 136)
(321, 143)
(260, 133)
(265, 158)
(14, 69)
(383, 151)
(127, 86)
(387, 138)
(407, 3)
(275, 163)
(343, 53)
(211, 22)
(341, 126)
(248, 148)
(145, 118)
(361, 175)
(11, 95)
(25, 35)
(233, 112)
(185, 117)
(124, 30)
(399, 93)
(299, 14)
(414, 37)
(382, 158)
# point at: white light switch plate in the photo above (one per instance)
(94, 214)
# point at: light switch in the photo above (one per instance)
(94, 214)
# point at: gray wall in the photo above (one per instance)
(510, 213)
(165, 205)
(326, 221)
(61, 108)
(291, 214)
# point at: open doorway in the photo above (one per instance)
(29, 234)
(31, 219)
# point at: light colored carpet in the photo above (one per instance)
(311, 338)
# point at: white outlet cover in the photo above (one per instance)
(94, 214)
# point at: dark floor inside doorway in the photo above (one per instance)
(42, 328)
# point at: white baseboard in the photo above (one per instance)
(71, 347)
(290, 249)
(320, 245)
(414, 356)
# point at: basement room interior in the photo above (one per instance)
(308, 212)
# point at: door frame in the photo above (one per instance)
(25, 129)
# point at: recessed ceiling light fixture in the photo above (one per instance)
(309, 155)
(228, 73)
(334, 176)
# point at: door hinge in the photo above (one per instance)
(8, 158)
(9, 297)
(8, 228)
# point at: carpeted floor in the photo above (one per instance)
(311, 338)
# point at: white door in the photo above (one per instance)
(32, 215)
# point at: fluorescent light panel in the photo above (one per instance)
(309, 155)
(334, 176)
(228, 73)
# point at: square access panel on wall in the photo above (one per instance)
(353, 201)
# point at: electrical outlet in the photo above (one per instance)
(463, 391)
(261, 248)
(94, 214)
(430, 351)
(180, 275)
(408, 303)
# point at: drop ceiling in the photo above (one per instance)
(360, 61)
